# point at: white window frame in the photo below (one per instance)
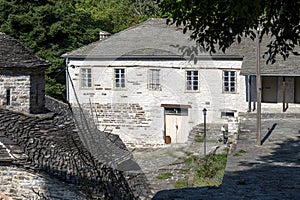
(192, 80)
(154, 79)
(119, 78)
(86, 80)
(229, 81)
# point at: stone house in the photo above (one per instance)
(22, 82)
(142, 84)
(42, 155)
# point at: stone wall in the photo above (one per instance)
(19, 183)
(19, 86)
(146, 127)
(37, 92)
(53, 146)
(120, 114)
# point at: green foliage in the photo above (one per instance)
(49, 28)
(164, 175)
(217, 24)
(53, 27)
(116, 15)
(239, 153)
(211, 165)
(181, 184)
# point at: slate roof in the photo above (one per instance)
(247, 48)
(10, 151)
(14, 55)
(153, 38)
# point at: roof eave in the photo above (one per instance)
(152, 57)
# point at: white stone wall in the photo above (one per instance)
(173, 91)
(19, 91)
(19, 184)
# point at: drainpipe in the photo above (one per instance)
(249, 92)
(67, 80)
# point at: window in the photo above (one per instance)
(192, 80)
(153, 79)
(8, 97)
(86, 77)
(119, 78)
(229, 81)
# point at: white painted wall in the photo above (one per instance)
(173, 91)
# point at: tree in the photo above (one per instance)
(219, 23)
(53, 27)
(49, 28)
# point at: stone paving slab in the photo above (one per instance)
(270, 171)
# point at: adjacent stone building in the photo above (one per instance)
(22, 77)
(42, 154)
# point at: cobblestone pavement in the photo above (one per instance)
(269, 171)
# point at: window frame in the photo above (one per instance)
(85, 80)
(154, 81)
(120, 78)
(192, 80)
(227, 89)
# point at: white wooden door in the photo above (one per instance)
(177, 128)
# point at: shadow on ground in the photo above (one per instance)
(267, 172)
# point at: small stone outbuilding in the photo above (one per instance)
(22, 82)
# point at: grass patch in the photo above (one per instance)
(164, 175)
(239, 153)
(181, 184)
(185, 171)
(210, 170)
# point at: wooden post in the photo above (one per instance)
(258, 91)
(250, 92)
(283, 94)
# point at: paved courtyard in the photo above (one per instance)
(270, 171)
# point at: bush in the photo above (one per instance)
(211, 165)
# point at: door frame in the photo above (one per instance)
(178, 109)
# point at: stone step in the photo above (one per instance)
(271, 115)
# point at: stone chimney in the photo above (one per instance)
(103, 35)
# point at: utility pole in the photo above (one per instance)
(258, 89)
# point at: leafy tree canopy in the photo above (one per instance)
(219, 23)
